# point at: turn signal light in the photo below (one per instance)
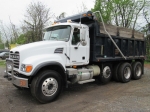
(89, 15)
(69, 21)
(84, 15)
(74, 66)
(28, 68)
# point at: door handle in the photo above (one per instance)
(75, 47)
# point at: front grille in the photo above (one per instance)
(15, 56)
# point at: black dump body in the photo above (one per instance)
(102, 48)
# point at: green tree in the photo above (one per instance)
(21, 39)
(105, 7)
(1, 37)
(1, 42)
(146, 15)
(146, 28)
(7, 44)
(122, 13)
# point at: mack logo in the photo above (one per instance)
(14, 56)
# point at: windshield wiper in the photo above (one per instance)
(54, 38)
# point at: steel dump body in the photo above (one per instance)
(102, 48)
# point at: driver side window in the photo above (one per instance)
(76, 36)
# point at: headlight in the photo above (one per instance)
(23, 66)
(26, 68)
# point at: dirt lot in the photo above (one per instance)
(113, 97)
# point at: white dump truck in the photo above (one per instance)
(75, 50)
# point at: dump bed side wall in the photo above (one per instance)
(102, 48)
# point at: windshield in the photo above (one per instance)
(59, 33)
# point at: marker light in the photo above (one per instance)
(69, 21)
(55, 23)
(84, 15)
(74, 66)
(89, 15)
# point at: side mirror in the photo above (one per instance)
(82, 34)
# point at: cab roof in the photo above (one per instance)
(67, 23)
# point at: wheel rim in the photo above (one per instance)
(138, 71)
(49, 86)
(106, 72)
(127, 72)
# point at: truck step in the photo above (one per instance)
(86, 81)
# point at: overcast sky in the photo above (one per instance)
(15, 9)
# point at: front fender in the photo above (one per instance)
(41, 60)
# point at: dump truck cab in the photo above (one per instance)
(76, 38)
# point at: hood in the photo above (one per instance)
(38, 45)
(39, 48)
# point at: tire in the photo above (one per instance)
(124, 72)
(115, 72)
(106, 74)
(47, 86)
(136, 70)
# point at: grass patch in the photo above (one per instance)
(147, 62)
(2, 63)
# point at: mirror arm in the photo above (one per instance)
(77, 45)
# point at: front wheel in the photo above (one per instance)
(106, 75)
(47, 86)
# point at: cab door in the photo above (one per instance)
(78, 52)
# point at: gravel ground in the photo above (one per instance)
(113, 97)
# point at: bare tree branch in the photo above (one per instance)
(36, 18)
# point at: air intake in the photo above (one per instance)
(59, 50)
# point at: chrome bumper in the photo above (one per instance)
(18, 81)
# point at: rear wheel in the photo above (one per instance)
(124, 72)
(106, 75)
(47, 86)
(115, 72)
(136, 70)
